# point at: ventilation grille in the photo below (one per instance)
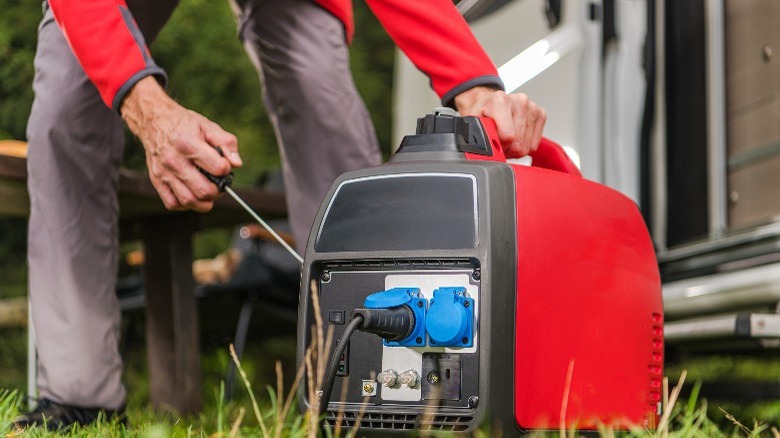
(391, 421)
(372, 420)
(452, 423)
(656, 363)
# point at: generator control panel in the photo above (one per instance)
(429, 362)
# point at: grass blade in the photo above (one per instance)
(249, 389)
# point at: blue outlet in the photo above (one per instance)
(450, 319)
(403, 296)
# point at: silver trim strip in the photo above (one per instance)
(659, 208)
(746, 288)
(716, 117)
(715, 327)
(722, 242)
(762, 325)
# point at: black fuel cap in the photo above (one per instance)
(443, 121)
(446, 130)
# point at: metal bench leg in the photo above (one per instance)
(239, 342)
(32, 361)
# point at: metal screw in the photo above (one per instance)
(419, 304)
(325, 276)
(465, 340)
(368, 387)
(476, 275)
(433, 377)
(473, 401)
(466, 304)
(418, 340)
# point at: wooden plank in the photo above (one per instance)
(138, 199)
(752, 45)
(13, 312)
(751, 76)
(13, 167)
(753, 129)
(14, 148)
(13, 198)
(172, 316)
(754, 197)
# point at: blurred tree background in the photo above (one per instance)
(18, 23)
(209, 73)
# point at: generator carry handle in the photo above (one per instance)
(549, 155)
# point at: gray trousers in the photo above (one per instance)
(75, 148)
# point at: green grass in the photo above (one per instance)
(689, 417)
(13, 358)
(710, 369)
(692, 416)
(218, 418)
(275, 417)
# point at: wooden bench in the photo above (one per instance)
(172, 317)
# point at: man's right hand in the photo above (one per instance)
(177, 142)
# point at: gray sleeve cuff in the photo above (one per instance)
(491, 81)
(151, 70)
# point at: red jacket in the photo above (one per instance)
(112, 51)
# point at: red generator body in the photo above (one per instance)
(527, 297)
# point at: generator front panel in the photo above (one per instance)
(379, 374)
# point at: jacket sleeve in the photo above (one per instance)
(108, 44)
(439, 42)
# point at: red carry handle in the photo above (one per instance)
(549, 155)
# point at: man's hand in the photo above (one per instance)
(178, 141)
(519, 121)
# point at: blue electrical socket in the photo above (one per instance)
(450, 319)
(400, 296)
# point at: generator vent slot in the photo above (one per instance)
(656, 363)
(372, 420)
(451, 423)
(402, 264)
(397, 421)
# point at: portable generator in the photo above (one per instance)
(463, 290)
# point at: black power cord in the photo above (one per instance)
(391, 324)
(330, 373)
